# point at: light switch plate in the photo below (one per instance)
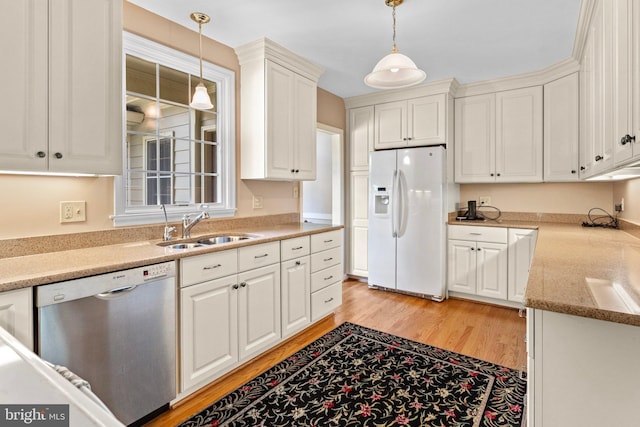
(73, 211)
(258, 202)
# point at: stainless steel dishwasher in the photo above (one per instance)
(117, 331)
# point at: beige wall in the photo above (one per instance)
(570, 198)
(34, 200)
(630, 191)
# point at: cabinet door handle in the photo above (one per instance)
(328, 300)
(476, 234)
(235, 286)
(327, 259)
(328, 278)
(298, 263)
(479, 249)
(261, 256)
(58, 155)
(243, 284)
(328, 241)
(297, 248)
(41, 154)
(598, 158)
(212, 267)
(582, 168)
(573, 171)
(473, 249)
(627, 139)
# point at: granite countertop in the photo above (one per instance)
(32, 270)
(588, 272)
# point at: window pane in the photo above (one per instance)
(174, 85)
(136, 184)
(205, 126)
(174, 120)
(141, 113)
(141, 76)
(183, 191)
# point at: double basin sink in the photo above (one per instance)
(207, 241)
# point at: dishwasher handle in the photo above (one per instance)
(114, 293)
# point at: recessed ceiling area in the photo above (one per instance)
(466, 39)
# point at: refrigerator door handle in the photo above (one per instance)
(401, 200)
(394, 203)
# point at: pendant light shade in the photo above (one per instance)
(201, 99)
(395, 70)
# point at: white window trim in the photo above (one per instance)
(225, 80)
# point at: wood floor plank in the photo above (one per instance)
(487, 332)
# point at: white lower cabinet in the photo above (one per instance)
(209, 330)
(478, 261)
(258, 310)
(585, 371)
(490, 263)
(16, 314)
(238, 303)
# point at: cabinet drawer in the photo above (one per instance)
(325, 259)
(293, 248)
(478, 233)
(205, 267)
(325, 301)
(250, 257)
(324, 241)
(323, 278)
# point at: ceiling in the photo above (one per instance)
(470, 40)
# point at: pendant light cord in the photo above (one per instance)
(200, 31)
(395, 49)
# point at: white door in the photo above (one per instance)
(304, 141)
(426, 120)
(390, 125)
(421, 245)
(16, 315)
(23, 114)
(259, 324)
(475, 145)
(359, 223)
(522, 243)
(279, 121)
(462, 266)
(208, 330)
(296, 295)
(491, 261)
(381, 238)
(519, 135)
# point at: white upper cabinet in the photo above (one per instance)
(62, 110)
(410, 123)
(498, 137)
(278, 110)
(360, 137)
(561, 129)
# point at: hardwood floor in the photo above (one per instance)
(491, 333)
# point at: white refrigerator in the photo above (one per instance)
(407, 220)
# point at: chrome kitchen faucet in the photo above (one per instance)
(188, 223)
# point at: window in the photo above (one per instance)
(175, 155)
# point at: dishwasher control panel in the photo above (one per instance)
(111, 283)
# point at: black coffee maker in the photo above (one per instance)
(471, 210)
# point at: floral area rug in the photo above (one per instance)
(355, 376)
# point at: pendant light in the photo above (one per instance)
(395, 70)
(201, 99)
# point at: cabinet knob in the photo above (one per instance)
(473, 249)
(404, 139)
(298, 263)
(491, 174)
(41, 154)
(498, 174)
(293, 170)
(235, 286)
(243, 284)
(573, 171)
(58, 155)
(409, 139)
(627, 139)
(297, 170)
(598, 158)
(479, 249)
(582, 168)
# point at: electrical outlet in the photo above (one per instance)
(296, 192)
(73, 211)
(258, 202)
(484, 201)
(622, 205)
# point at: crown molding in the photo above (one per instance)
(446, 86)
(518, 81)
(263, 48)
(582, 30)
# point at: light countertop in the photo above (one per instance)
(32, 270)
(588, 272)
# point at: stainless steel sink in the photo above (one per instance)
(183, 245)
(206, 241)
(216, 240)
